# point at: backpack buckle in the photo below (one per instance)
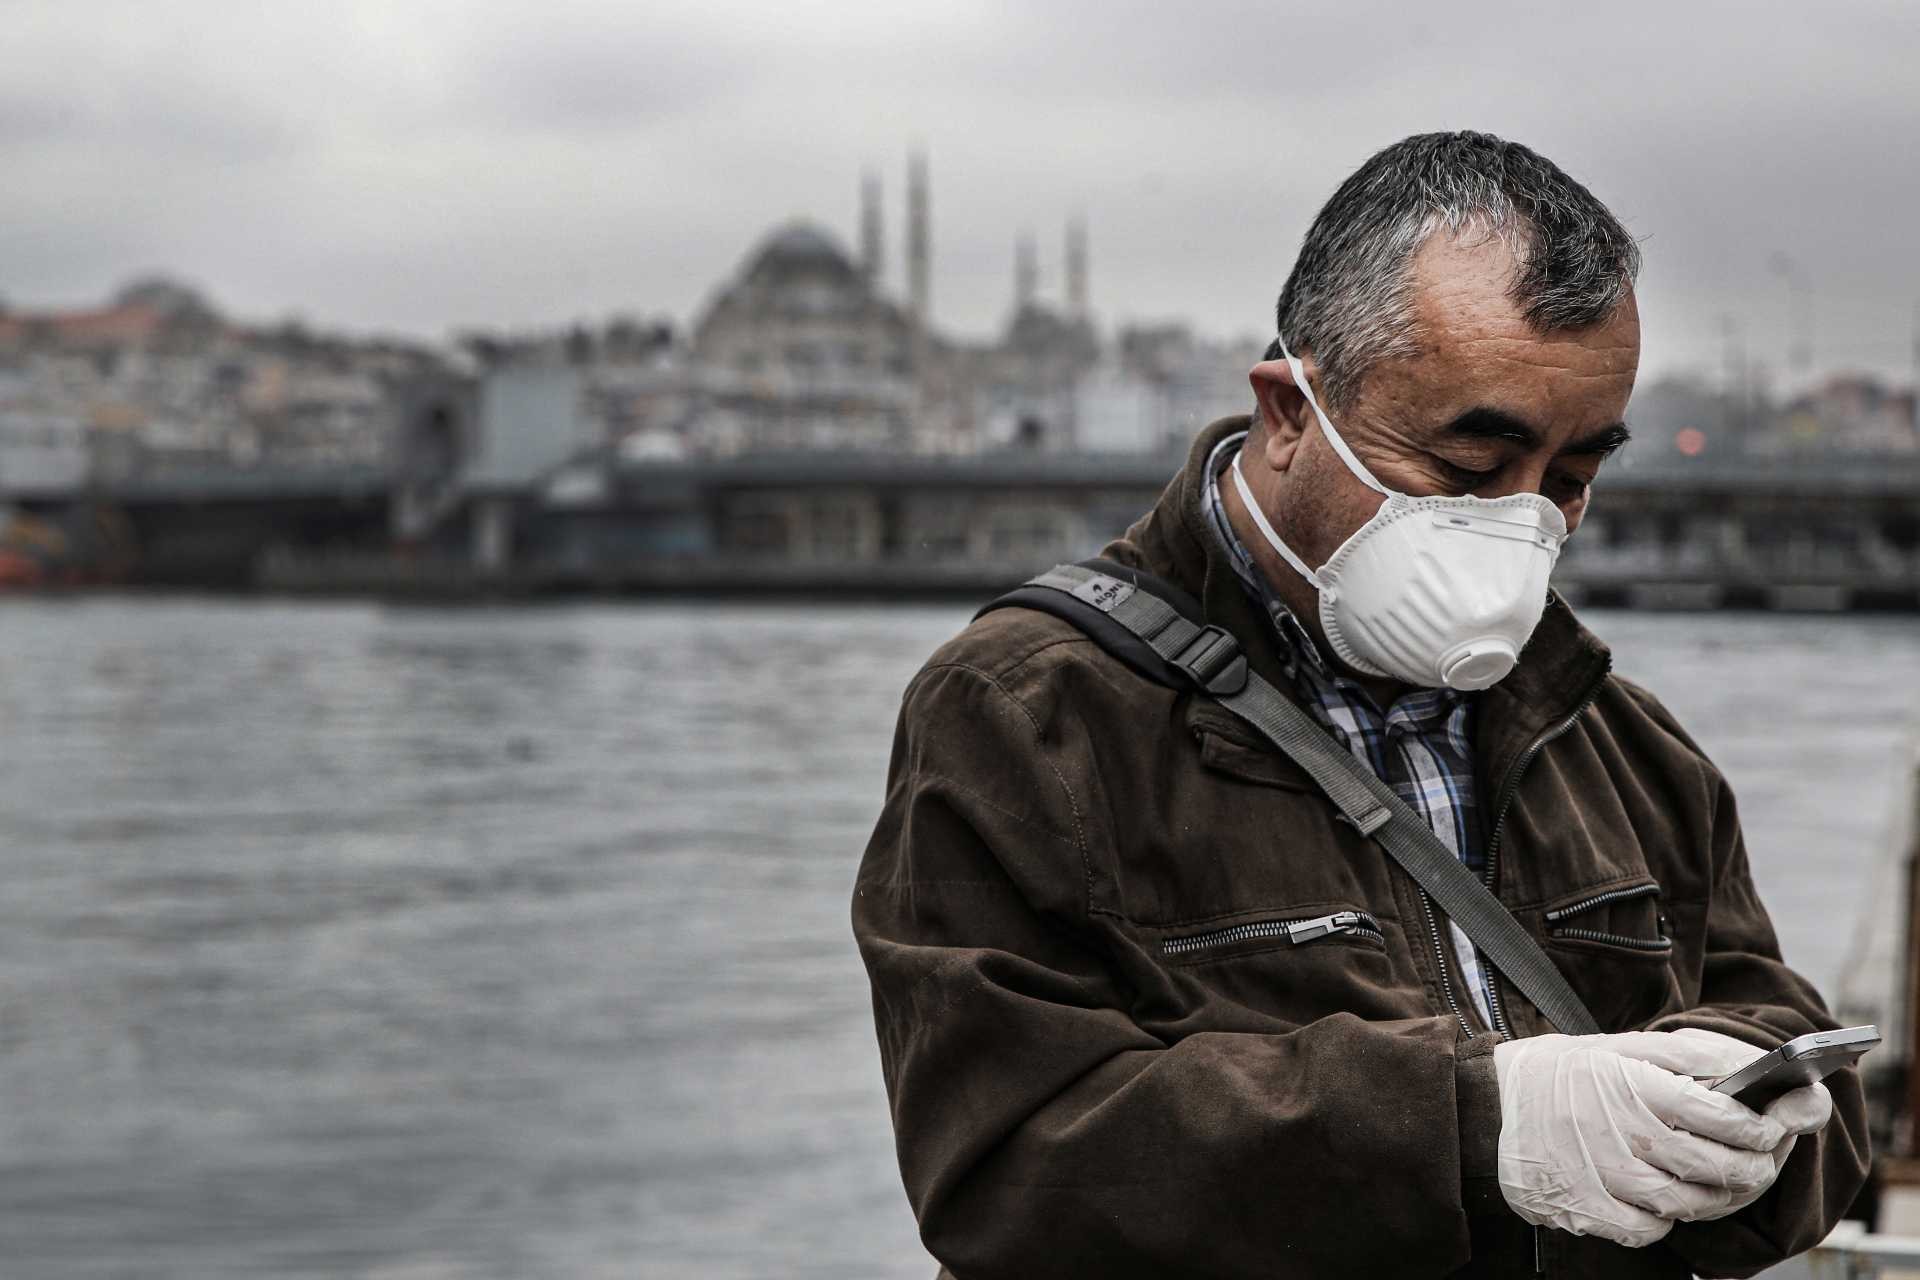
(1213, 661)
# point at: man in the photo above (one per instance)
(1106, 1051)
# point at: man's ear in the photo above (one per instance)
(1283, 410)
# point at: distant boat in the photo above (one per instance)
(85, 546)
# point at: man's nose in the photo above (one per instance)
(1522, 475)
(1529, 475)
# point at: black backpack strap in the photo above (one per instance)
(1184, 651)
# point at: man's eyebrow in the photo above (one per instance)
(1603, 442)
(1488, 423)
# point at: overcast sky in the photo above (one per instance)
(418, 166)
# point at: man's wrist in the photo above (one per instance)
(1476, 1093)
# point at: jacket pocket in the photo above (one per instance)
(1289, 931)
(1624, 916)
(1615, 946)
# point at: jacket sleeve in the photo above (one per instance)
(1748, 992)
(1042, 1132)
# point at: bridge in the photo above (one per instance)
(1821, 533)
(1836, 534)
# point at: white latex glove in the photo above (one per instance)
(1708, 1055)
(1593, 1142)
(1690, 1051)
(1804, 1110)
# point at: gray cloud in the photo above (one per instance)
(597, 74)
(425, 165)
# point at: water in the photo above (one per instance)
(341, 940)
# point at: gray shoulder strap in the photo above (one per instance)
(1211, 659)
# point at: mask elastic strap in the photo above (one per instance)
(1260, 518)
(1333, 437)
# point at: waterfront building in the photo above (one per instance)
(801, 351)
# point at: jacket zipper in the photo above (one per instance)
(1662, 943)
(1616, 939)
(1508, 787)
(1357, 923)
(1440, 958)
(1601, 899)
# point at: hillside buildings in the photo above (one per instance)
(158, 378)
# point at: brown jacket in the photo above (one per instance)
(1071, 1099)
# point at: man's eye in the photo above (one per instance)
(1467, 477)
(1570, 486)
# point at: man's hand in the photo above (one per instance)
(1708, 1055)
(1596, 1142)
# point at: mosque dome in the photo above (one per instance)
(799, 249)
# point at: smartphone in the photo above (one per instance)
(1800, 1061)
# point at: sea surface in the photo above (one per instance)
(344, 940)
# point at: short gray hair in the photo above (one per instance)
(1350, 297)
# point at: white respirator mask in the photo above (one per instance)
(1434, 591)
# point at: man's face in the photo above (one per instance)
(1489, 407)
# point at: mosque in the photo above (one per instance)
(806, 348)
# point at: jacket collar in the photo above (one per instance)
(1172, 541)
(1559, 667)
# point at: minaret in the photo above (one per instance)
(1077, 268)
(871, 265)
(1026, 272)
(1916, 368)
(919, 246)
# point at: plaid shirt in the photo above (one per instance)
(1421, 746)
